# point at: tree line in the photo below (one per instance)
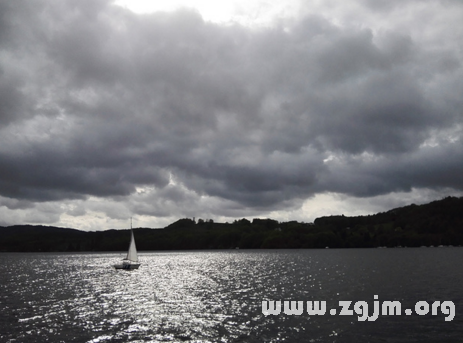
(434, 224)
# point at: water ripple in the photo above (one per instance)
(216, 296)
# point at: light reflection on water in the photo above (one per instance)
(216, 296)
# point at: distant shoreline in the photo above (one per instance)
(439, 223)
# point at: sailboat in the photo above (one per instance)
(131, 261)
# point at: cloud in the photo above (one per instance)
(166, 114)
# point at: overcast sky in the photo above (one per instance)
(288, 110)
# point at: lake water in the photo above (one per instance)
(216, 296)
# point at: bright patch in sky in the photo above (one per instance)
(241, 11)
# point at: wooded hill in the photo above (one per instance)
(437, 223)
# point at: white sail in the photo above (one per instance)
(131, 261)
(132, 253)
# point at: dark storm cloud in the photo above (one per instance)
(432, 168)
(98, 101)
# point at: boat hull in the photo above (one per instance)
(130, 266)
(131, 261)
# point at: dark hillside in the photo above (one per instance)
(437, 223)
